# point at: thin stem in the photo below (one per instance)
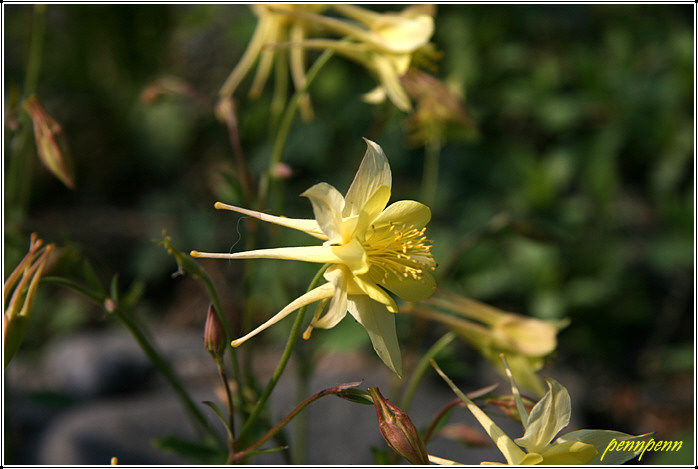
(35, 50)
(285, 126)
(19, 174)
(326, 392)
(422, 367)
(228, 337)
(300, 427)
(169, 374)
(280, 95)
(430, 176)
(231, 410)
(430, 431)
(292, 338)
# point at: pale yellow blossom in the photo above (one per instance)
(373, 249)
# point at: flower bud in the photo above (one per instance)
(51, 144)
(214, 335)
(398, 430)
(20, 289)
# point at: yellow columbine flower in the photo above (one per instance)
(525, 341)
(273, 27)
(548, 417)
(384, 43)
(372, 249)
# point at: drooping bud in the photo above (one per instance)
(20, 289)
(398, 430)
(51, 144)
(214, 335)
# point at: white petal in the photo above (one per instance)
(319, 293)
(380, 325)
(319, 254)
(373, 172)
(328, 204)
(309, 226)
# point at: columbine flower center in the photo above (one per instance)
(400, 250)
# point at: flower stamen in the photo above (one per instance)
(399, 250)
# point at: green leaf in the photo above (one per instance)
(602, 440)
(92, 278)
(198, 452)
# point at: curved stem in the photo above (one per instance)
(430, 431)
(292, 338)
(422, 367)
(289, 417)
(169, 375)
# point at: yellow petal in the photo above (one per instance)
(408, 289)
(375, 96)
(319, 254)
(530, 459)
(319, 293)
(380, 325)
(246, 61)
(373, 172)
(400, 34)
(389, 70)
(550, 415)
(512, 453)
(569, 452)
(404, 212)
(306, 225)
(337, 276)
(368, 287)
(352, 255)
(328, 204)
(370, 210)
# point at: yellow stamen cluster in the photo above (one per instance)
(401, 250)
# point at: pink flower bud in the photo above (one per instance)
(398, 430)
(214, 335)
(51, 144)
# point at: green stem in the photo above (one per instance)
(19, 174)
(278, 100)
(430, 176)
(228, 337)
(292, 338)
(35, 51)
(422, 367)
(285, 127)
(169, 375)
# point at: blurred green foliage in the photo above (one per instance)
(574, 200)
